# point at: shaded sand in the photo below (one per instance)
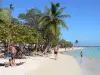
(65, 65)
(31, 63)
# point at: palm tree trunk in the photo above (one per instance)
(47, 48)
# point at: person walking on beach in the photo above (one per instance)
(81, 54)
(12, 53)
(65, 48)
(72, 47)
(56, 52)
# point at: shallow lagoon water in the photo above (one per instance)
(90, 61)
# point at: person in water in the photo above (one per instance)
(81, 54)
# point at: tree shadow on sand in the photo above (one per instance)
(17, 64)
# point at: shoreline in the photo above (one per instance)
(70, 49)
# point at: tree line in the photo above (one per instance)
(34, 27)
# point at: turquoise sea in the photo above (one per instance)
(90, 61)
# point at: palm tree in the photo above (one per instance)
(5, 18)
(10, 19)
(11, 7)
(76, 42)
(53, 19)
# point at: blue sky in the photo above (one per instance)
(84, 24)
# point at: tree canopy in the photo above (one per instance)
(34, 26)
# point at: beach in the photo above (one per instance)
(31, 63)
(64, 65)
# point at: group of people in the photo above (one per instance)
(12, 53)
(56, 49)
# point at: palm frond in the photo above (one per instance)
(57, 30)
(58, 4)
(64, 16)
(62, 23)
(53, 8)
(22, 16)
(43, 17)
(54, 29)
(48, 10)
(59, 11)
(44, 20)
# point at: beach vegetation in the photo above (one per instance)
(41, 29)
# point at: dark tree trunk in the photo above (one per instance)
(47, 47)
(5, 47)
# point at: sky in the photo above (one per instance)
(84, 24)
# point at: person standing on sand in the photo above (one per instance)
(65, 48)
(12, 53)
(72, 47)
(56, 52)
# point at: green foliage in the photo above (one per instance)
(16, 21)
(5, 15)
(31, 18)
(53, 19)
(38, 27)
(1, 17)
(65, 43)
(57, 4)
(22, 16)
(25, 34)
(55, 41)
(18, 33)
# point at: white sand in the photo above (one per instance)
(30, 64)
(65, 65)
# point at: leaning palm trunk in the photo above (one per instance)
(36, 49)
(47, 48)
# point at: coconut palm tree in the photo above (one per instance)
(76, 42)
(11, 7)
(52, 21)
(54, 18)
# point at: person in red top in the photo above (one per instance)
(12, 53)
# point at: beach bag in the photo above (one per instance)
(6, 64)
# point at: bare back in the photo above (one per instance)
(12, 49)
